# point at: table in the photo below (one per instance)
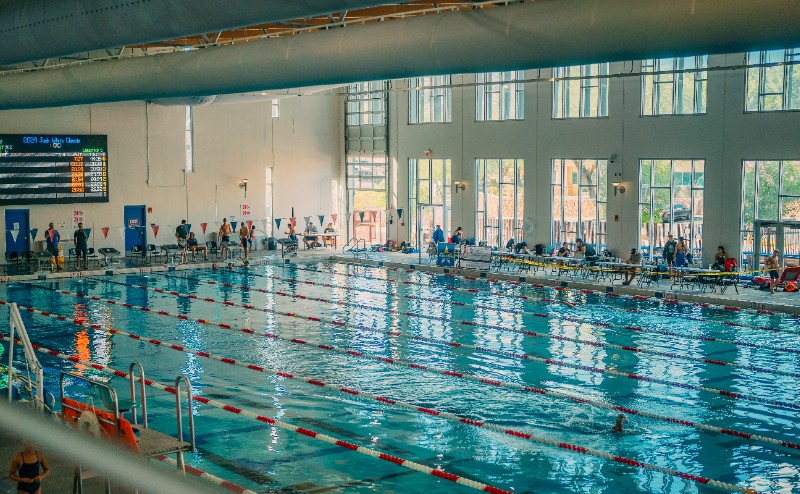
(320, 236)
(614, 269)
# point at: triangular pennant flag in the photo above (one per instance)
(361, 216)
(105, 231)
(171, 229)
(400, 213)
(203, 226)
(307, 218)
(155, 230)
(321, 219)
(233, 225)
(293, 221)
(333, 217)
(249, 224)
(121, 232)
(88, 232)
(374, 215)
(278, 223)
(33, 233)
(14, 234)
(188, 227)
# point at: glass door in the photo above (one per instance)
(790, 241)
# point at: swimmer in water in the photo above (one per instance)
(618, 426)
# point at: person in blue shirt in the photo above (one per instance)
(52, 237)
(510, 245)
(438, 234)
(456, 238)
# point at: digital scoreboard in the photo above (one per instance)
(53, 169)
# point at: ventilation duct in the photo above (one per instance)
(545, 33)
(38, 29)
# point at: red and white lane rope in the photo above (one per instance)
(536, 286)
(549, 361)
(655, 300)
(525, 297)
(229, 486)
(580, 341)
(307, 432)
(458, 375)
(402, 462)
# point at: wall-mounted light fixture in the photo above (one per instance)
(618, 187)
(243, 185)
(459, 185)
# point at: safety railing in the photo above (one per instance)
(32, 363)
(357, 247)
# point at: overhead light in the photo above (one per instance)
(243, 185)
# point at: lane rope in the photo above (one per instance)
(735, 395)
(528, 286)
(547, 300)
(406, 463)
(535, 334)
(655, 300)
(453, 374)
(230, 486)
(307, 432)
(536, 287)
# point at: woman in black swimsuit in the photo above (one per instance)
(25, 469)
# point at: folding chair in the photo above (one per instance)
(212, 248)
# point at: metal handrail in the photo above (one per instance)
(353, 241)
(137, 365)
(190, 414)
(16, 324)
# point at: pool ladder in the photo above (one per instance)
(357, 247)
(150, 443)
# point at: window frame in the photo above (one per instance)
(589, 77)
(491, 89)
(661, 72)
(482, 207)
(430, 100)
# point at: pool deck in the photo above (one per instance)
(747, 298)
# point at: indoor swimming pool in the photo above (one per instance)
(513, 386)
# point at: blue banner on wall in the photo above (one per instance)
(446, 254)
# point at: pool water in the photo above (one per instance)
(373, 305)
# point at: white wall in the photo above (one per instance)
(231, 142)
(723, 138)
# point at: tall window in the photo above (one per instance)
(580, 91)
(775, 84)
(499, 97)
(674, 86)
(366, 103)
(500, 206)
(366, 171)
(771, 208)
(189, 139)
(430, 99)
(580, 201)
(429, 186)
(671, 202)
